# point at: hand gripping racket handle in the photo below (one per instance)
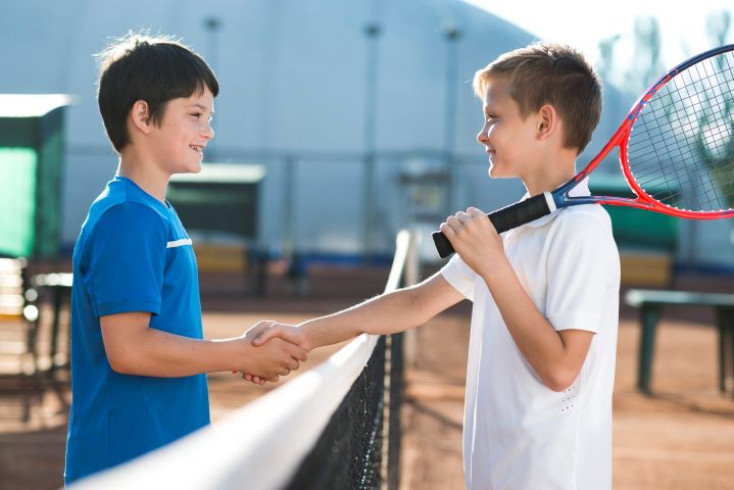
(505, 219)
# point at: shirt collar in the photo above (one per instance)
(581, 189)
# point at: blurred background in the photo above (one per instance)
(353, 119)
(338, 124)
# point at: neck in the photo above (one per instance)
(147, 177)
(551, 174)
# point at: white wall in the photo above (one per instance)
(293, 78)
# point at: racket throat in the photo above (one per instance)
(550, 201)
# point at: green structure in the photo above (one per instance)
(637, 228)
(222, 201)
(31, 169)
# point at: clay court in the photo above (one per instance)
(680, 437)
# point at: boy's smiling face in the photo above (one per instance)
(184, 131)
(507, 137)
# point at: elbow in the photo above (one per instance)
(119, 366)
(121, 363)
(560, 379)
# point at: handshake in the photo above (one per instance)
(272, 350)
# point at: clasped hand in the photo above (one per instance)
(475, 239)
(277, 350)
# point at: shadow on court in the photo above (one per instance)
(680, 437)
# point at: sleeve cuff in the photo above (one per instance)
(576, 321)
(460, 277)
(115, 307)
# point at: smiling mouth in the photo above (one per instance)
(198, 149)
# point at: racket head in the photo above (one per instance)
(677, 144)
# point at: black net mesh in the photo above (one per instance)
(349, 454)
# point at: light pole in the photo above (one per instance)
(372, 32)
(452, 34)
(212, 26)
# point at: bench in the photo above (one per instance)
(651, 302)
(58, 285)
(21, 295)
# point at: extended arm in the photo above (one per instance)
(385, 314)
(134, 348)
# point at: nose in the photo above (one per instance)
(208, 130)
(482, 136)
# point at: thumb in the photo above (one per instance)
(263, 337)
(287, 333)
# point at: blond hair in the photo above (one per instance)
(554, 74)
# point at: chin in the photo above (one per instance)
(495, 173)
(192, 169)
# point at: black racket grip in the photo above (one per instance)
(503, 219)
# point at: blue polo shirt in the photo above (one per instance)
(133, 254)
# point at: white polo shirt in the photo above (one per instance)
(519, 434)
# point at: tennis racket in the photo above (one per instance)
(676, 150)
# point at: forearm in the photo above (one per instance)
(540, 344)
(385, 314)
(161, 354)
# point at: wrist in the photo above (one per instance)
(497, 271)
(307, 341)
(241, 355)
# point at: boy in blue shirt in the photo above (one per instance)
(138, 354)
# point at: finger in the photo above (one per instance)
(263, 337)
(292, 364)
(261, 325)
(288, 334)
(462, 217)
(481, 216)
(297, 352)
(454, 223)
(301, 354)
(447, 230)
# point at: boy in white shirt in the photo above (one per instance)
(538, 409)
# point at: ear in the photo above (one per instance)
(548, 121)
(140, 117)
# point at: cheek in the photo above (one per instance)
(492, 131)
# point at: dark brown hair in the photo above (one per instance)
(154, 69)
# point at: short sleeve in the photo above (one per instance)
(460, 276)
(581, 261)
(127, 260)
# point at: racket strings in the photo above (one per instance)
(681, 148)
